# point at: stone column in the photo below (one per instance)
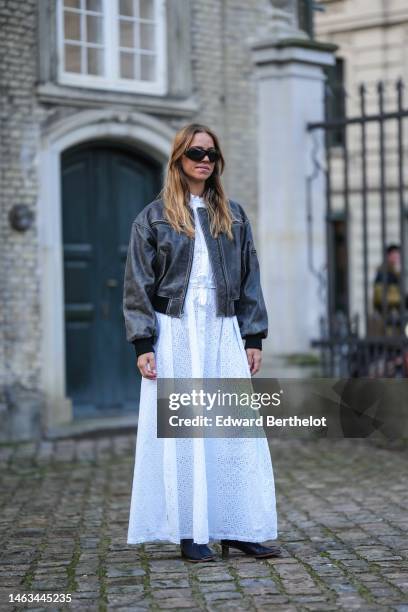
(289, 70)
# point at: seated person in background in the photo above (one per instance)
(388, 273)
(387, 279)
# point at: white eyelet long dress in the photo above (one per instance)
(201, 488)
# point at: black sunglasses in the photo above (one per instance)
(198, 154)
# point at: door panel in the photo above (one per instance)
(103, 189)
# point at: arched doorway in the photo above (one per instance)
(103, 187)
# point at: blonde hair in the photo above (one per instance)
(176, 190)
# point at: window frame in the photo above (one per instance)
(111, 81)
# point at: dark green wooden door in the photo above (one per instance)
(103, 189)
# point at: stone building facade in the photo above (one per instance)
(371, 37)
(92, 94)
(207, 77)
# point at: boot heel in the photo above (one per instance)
(224, 551)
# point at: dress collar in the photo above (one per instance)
(197, 201)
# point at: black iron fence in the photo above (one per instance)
(365, 330)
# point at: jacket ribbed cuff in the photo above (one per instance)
(253, 341)
(143, 345)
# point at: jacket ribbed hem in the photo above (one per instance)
(253, 341)
(143, 345)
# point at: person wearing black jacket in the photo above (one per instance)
(194, 308)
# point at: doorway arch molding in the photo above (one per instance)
(146, 135)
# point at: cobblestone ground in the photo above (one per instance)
(342, 510)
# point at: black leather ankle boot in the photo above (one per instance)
(196, 553)
(250, 548)
(206, 551)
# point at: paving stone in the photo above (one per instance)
(140, 606)
(171, 593)
(90, 582)
(228, 595)
(130, 599)
(264, 602)
(253, 570)
(125, 580)
(214, 577)
(172, 603)
(232, 605)
(51, 585)
(168, 575)
(258, 585)
(86, 595)
(115, 571)
(209, 587)
(127, 588)
(171, 583)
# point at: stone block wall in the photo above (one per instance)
(224, 85)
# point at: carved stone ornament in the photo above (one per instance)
(282, 22)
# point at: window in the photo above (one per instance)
(112, 44)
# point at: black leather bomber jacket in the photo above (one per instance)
(158, 268)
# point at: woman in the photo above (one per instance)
(191, 294)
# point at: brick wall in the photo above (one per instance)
(20, 127)
(224, 83)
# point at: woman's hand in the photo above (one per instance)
(254, 357)
(147, 365)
